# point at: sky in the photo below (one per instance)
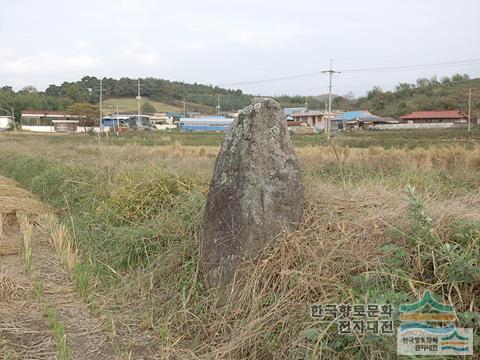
(229, 42)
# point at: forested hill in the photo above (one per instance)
(425, 94)
(172, 92)
(87, 90)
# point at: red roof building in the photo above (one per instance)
(444, 116)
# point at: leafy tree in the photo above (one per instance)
(148, 108)
(445, 80)
(90, 111)
(30, 89)
(375, 92)
(84, 109)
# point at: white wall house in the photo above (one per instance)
(5, 122)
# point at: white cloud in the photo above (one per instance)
(6, 52)
(83, 44)
(194, 45)
(247, 37)
(45, 62)
(276, 34)
(142, 57)
(149, 59)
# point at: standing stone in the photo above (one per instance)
(256, 190)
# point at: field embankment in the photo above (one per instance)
(41, 316)
(135, 215)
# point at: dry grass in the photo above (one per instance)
(14, 199)
(265, 314)
(445, 158)
(60, 239)
(162, 310)
(9, 289)
(26, 230)
(2, 221)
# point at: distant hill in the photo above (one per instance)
(425, 94)
(197, 96)
(164, 95)
(130, 105)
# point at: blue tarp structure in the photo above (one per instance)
(352, 115)
(211, 123)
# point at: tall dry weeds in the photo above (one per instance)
(60, 239)
(26, 230)
(2, 221)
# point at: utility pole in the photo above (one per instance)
(184, 108)
(469, 108)
(101, 112)
(330, 72)
(218, 105)
(118, 118)
(139, 100)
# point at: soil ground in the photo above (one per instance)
(27, 298)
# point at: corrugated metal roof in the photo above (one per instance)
(43, 112)
(212, 120)
(308, 113)
(445, 114)
(350, 115)
(291, 110)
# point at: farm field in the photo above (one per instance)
(130, 105)
(388, 216)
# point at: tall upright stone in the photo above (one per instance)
(256, 190)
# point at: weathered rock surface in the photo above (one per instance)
(256, 190)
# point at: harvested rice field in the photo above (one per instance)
(101, 248)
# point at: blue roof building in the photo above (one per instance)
(210, 123)
(352, 115)
(291, 110)
(359, 119)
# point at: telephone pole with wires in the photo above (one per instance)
(139, 101)
(469, 109)
(101, 105)
(329, 114)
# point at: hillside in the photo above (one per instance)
(127, 104)
(164, 91)
(426, 94)
(198, 97)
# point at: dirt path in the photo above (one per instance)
(41, 315)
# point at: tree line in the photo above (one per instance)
(82, 97)
(447, 93)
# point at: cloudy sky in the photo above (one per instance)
(226, 42)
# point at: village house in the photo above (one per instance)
(312, 118)
(45, 117)
(434, 117)
(361, 119)
(49, 121)
(6, 122)
(291, 110)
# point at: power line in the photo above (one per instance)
(361, 70)
(415, 67)
(330, 74)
